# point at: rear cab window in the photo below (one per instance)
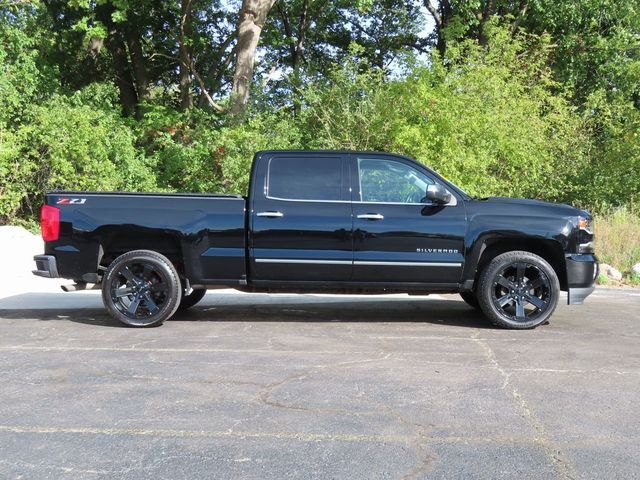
(314, 178)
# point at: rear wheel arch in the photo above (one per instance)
(118, 241)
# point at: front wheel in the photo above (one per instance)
(518, 290)
(141, 288)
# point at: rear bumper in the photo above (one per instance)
(582, 271)
(46, 266)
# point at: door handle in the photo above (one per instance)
(371, 216)
(270, 214)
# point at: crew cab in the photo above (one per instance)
(321, 221)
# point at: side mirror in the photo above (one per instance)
(438, 194)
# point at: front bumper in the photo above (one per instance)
(46, 266)
(582, 271)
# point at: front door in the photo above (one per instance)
(301, 226)
(399, 235)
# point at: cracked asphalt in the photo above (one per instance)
(316, 387)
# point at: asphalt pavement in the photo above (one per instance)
(315, 386)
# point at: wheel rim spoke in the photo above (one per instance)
(520, 268)
(124, 292)
(535, 301)
(151, 305)
(503, 301)
(128, 274)
(519, 309)
(504, 282)
(133, 306)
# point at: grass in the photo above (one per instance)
(617, 237)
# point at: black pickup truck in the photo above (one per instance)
(328, 221)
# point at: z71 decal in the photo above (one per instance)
(71, 201)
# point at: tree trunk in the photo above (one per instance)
(483, 17)
(442, 14)
(302, 34)
(253, 15)
(117, 47)
(184, 56)
(124, 80)
(137, 62)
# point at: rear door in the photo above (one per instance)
(399, 235)
(300, 219)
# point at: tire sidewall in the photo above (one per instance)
(167, 271)
(486, 285)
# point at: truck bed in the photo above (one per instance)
(205, 233)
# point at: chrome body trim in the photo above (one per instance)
(359, 262)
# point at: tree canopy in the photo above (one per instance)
(529, 98)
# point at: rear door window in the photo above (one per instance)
(305, 178)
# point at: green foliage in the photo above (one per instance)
(489, 118)
(69, 143)
(196, 152)
(240, 142)
(612, 178)
(547, 106)
(24, 79)
(617, 236)
(184, 146)
(348, 109)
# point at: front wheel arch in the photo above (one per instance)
(550, 250)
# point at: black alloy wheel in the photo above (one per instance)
(141, 288)
(518, 290)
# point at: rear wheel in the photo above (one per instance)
(518, 290)
(194, 297)
(141, 288)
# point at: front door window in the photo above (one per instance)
(388, 181)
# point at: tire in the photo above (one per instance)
(141, 289)
(518, 290)
(190, 300)
(471, 299)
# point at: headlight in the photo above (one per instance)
(584, 224)
(585, 235)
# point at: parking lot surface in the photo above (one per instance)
(317, 386)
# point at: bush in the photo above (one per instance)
(183, 146)
(196, 152)
(490, 119)
(239, 143)
(68, 144)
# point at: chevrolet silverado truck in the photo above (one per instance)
(321, 221)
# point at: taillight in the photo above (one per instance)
(50, 223)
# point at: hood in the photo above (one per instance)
(568, 209)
